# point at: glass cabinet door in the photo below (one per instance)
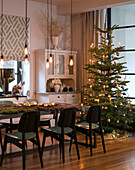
(71, 68)
(51, 65)
(60, 64)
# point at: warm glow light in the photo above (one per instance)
(50, 59)
(26, 51)
(71, 62)
(26, 59)
(2, 61)
(47, 63)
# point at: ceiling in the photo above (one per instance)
(80, 6)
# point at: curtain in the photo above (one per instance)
(84, 35)
(14, 37)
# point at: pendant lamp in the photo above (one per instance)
(51, 56)
(2, 59)
(26, 44)
(71, 56)
(47, 60)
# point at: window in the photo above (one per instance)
(125, 35)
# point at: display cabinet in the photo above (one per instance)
(58, 69)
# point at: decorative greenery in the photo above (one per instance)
(105, 84)
(16, 110)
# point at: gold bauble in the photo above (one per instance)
(105, 108)
(124, 115)
(109, 96)
(108, 120)
(97, 32)
(117, 74)
(111, 41)
(130, 110)
(111, 48)
(107, 86)
(109, 77)
(118, 121)
(122, 87)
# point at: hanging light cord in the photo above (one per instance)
(51, 24)
(71, 28)
(1, 27)
(47, 26)
(26, 22)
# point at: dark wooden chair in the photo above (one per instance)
(27, 130)
(66, 126)
(91, 125)
(43, 121)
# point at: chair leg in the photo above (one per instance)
(60, 147)
(70, 145)
(3, 150)
(39, 150)
(63, 152)
(86, 138)
(76, 143)
(23, 154)
(49, 124)
(1, 140)
(103, 143)
(90, 136)
(43, 143)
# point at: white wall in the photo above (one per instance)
(17, 8)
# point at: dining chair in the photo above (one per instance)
(91, 125)
(27, 130)
(9, 125)
(43, 121)
(66, 126)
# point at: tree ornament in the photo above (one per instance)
(115, 62)
(108, 120)
(123, 97)
(119, 94)
(111, 71)
(106, 56)
(115, 82)
(107, 86)
(105, 108)
(112, 56)
(121, 104)
(117, 53)
(125, 122)
(111, 48)
(109, 77)
(111, 41)
(130, 110)
(118, 121)
(128, 101)
(101, 33)
(97, 32)
(117, 74)
(110, 32)
(115, 106)
(124, 115)
(109, 96)
(122, 87)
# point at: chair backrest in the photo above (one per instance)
(30, 100)
(67, 118)
(6, 102)
(29, 121)
(94, 114)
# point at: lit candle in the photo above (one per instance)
(104, 87)
(91, 87)
(119, 44)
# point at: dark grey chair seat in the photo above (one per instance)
(18, 135)
(57, 129)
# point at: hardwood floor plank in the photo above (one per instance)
(120, 156)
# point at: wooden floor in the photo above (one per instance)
(120, 156)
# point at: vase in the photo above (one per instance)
(55, 41)
(57, 87)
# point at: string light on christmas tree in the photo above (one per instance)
(92, 45)
(115, 106)
(124, 115)
(121, 104)
(105, 107)
(89, 79)
(128, 102)
(97, 100)
(91, 87)
(110, 100)
(130, 110)
(104, 87)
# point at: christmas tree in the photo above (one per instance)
(105, 84)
